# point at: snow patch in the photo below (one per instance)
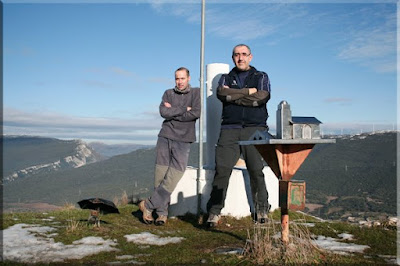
(147, 238)
(27, 243)
(333, 245)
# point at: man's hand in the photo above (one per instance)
(252, 90)
(167, 104)
(188, 108)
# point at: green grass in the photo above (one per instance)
(199, 244)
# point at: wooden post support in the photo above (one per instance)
(284, 157)
(285, 225)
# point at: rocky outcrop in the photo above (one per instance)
(82, 155)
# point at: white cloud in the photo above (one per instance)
(123, 72)
(15, 117)
(243, 22)
(186, 9)
(246, 30)
(48, 124)
(369, 44)
(375, 48)
(366, 34)
(339, 100)
(370, 40)
(99, 74)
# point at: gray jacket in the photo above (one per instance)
(179, 124)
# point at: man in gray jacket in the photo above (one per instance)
(180, 108)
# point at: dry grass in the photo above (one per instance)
(264, 245)
(73, 225)
(72, 222)
(68, 206)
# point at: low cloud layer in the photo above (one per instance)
(143, 130)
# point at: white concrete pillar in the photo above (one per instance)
(238, 200)
(214, 109)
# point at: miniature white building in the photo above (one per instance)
(305, 127)
(296, 127)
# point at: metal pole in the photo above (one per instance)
(200, 169)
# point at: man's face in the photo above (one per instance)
(242, 58)
(181, 79)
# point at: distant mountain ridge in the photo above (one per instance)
(26, 156)
(110, 150)
(356, 176)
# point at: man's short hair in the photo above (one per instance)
(239, 45)
(183, 68)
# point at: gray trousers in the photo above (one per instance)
(171, 161)
(227, 154)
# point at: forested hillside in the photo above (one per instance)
(356, 176)
(132, 173)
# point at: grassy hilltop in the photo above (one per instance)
(234, 242)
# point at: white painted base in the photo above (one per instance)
(238, 202)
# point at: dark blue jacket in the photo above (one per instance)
(250, 110)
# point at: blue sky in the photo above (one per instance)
(97, 71)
